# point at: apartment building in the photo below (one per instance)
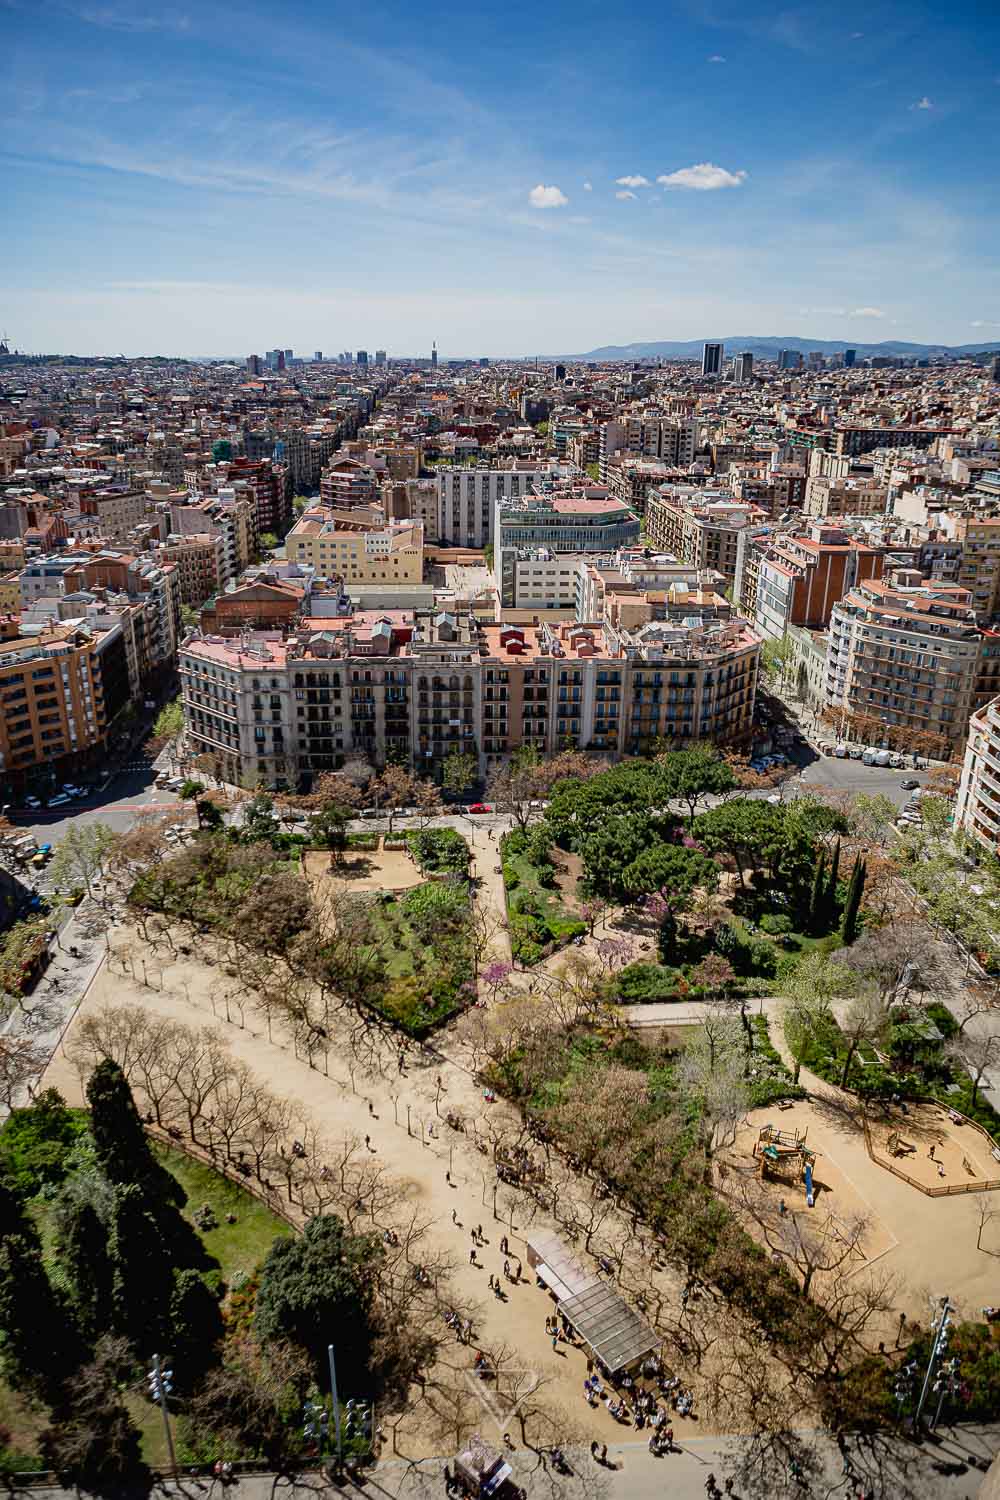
(784, 579)
(977, 810)
(580, 520)
(391, 553)
(700, 527)
(979, 565)
(674, 439)
(631, 479)
(415, 685)
(904, 654)
(60, 690)
(201, 565)
(857, 440)
(468, 498)
(116, 511)
(269, 484)
(348, 481)
(846, 497)
(233, 514)
(136, 577)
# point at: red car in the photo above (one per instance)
(480, 807)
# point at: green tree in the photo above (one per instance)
(259, 824)
(142, 1284)
(78, 859)
(318, 1289)
(120, 1143)
(328, 829)
(594, 472)
(222, 451)
(817, 896)
(872, 817)
(614, 844)
(196, 1324)
(692, 776)
(253, 1399)
(86, 1266)
(190, 617)
(459, 772)
(776, 659)
(852, 902)
(39, 1339)
(749, 830)
(35, 1143)
(169, 721)
(831, 903)
(268, 541)
(671, 870)
(92, 1443)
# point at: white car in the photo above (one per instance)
(32, 802)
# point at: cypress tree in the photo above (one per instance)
(816, 894)
(40, 1341)
(82, 1251)
(143, 1274)
(852, 905)
(122, 1148)
(831, 886)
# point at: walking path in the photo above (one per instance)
(899, 1470)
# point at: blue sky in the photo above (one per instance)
(202, 179)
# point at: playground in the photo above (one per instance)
(934, 1149)
(786, 1167)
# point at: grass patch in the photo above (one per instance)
(426, 938)
(237, 1247)
(537, 916)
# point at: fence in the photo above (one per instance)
(988, 1185)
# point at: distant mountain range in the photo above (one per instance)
(768, 348)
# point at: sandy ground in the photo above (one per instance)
(365, 870)
(397, 1111)
(944, 1154)
(929, 1244)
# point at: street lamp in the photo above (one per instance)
(160, 1387)
(942, 1328)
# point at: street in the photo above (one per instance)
(948, 1467)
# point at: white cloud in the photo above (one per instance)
(984, 323)
(856, 36)
(588, 187)
(547, 197)
(716, 58)
(704, 178)
(624, 195)
(866, 312)
(634, 181)
(923, 103)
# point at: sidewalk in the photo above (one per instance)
(895, 1468)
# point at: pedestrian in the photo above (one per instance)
(371, 1109)
(454, 1216)
(479, 1232)
(931, 1153)
(593, 1449)
(447, 1177)
(604, 1453)
(472, 1257)
(555, 1342)
(368, 1142)
(506, 1270)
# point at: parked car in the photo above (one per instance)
(32, 802)
(840, 751)
(480, 807)
(855, 752)
(909, 784)
(882, 758)
(58, 801)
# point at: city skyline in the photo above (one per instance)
(177, 176)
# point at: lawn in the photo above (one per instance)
(233, 1249)
(237, 1247)
(538, 882)
(425, 938)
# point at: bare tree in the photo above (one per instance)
(21, 1061)
(978, 1052)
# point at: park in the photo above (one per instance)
(371, 1030)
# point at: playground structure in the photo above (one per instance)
(784, 1156)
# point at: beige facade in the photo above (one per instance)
(698, 528)
(200, 563)
(393, 553)
(847, 497)
(978, 808)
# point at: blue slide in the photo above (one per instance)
(808, 1174)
